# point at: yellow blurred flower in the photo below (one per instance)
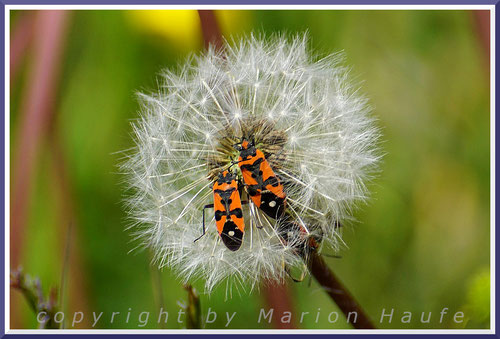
(234, 22)
(182, 27)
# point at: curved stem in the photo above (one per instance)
(339, 294)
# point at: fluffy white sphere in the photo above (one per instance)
(303, 113)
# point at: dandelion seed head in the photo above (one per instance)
(310, 122)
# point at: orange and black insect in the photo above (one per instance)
(228, 212)
(304, 244)
(262, 185)
(289, 229)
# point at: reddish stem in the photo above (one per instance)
(210, 28)
(37, 112)
(21, 38)
(278, 298)
(339, 294)
(37, 124)
(482, 22)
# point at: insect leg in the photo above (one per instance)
(204, 230)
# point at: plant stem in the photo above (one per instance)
(31, 289)
(22, 34)
(37, 112)
(277, 297)
(210, 29)
(43, 37)
(193, 308)
(339, 294)
(158, 290)
(482, 23)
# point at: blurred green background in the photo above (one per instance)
(421, 244)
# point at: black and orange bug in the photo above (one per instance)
(261, 183)
(304, 243)
(228, 212)
(289, 229)
(293, 231)
(294, 234)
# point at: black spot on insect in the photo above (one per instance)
(237, 212)
(273, 181)
(219, 214)
(253, 190)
